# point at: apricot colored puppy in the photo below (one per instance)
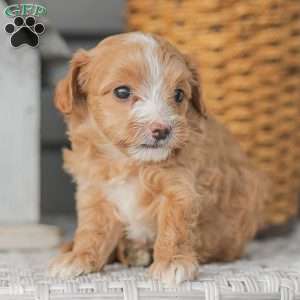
(150, 163)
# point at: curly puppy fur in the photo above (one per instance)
(192, 197)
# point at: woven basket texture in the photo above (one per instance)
(118, 283)
(270, 269)
(249, 52)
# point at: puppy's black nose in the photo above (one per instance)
(160, 131)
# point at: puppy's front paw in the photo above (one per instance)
(71, 264)
(175, 271)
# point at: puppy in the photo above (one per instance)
(150, 163)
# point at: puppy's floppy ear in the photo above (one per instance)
(71, 90)
(197, 100)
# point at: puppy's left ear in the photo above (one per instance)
(197, 100)
(70, 91)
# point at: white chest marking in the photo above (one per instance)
(124, 195)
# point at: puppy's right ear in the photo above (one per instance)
(72, 89)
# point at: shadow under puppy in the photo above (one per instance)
(150, 164)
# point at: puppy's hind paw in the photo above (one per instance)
(174, 272)
(70, 264)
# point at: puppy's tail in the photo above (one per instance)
(266, 196)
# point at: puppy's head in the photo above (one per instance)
(138, 89)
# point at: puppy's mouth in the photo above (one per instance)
(150, 152)
(151, 146)
(155, 144)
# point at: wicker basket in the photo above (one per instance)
(249, 53)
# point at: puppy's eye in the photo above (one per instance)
(178, 95)
(122, 92)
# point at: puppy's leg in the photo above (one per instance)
(175, 259)
(97, 235)
(134, 254)
(66, 247)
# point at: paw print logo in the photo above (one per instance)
(24, 31)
